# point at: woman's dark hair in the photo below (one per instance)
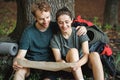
(62, 11)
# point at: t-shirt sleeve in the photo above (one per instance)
(24, 41)
(83, 38)
(54, 42)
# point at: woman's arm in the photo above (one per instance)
(85, 51)
(57, 55)
(84, 59)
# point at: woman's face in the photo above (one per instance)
(64, 21)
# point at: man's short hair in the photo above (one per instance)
(42, 6)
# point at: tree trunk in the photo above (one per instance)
(111, 12)
(24, 16)
(57, 4)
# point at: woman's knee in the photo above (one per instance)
(73, 51)
(94, 55)
(94, 59)
(72, 55)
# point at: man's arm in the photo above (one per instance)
(81, 30)
(21, 55)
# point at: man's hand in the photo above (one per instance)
(63, 61)
(81, 30)
(16, 66)
(21, 55)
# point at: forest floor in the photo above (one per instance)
(8, 11)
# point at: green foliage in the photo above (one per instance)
(7, 26)
(117, 60)
(107, 27)
(118, 28)
(35, 76)
(1, 77)
(96, 22)
(5, 64)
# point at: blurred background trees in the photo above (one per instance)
(110, 13)
(24, 16)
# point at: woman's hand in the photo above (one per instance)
(81, 30)
(74, 68)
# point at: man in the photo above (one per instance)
(34, 43)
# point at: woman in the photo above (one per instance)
(67, 46)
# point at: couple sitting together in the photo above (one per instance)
(56, 41)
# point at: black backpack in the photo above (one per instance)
(99, 43)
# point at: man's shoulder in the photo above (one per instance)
(29, 27)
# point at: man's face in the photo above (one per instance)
(42, 18)
(64, 22)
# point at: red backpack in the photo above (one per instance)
(96, 35)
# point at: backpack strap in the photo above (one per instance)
(79, 19)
